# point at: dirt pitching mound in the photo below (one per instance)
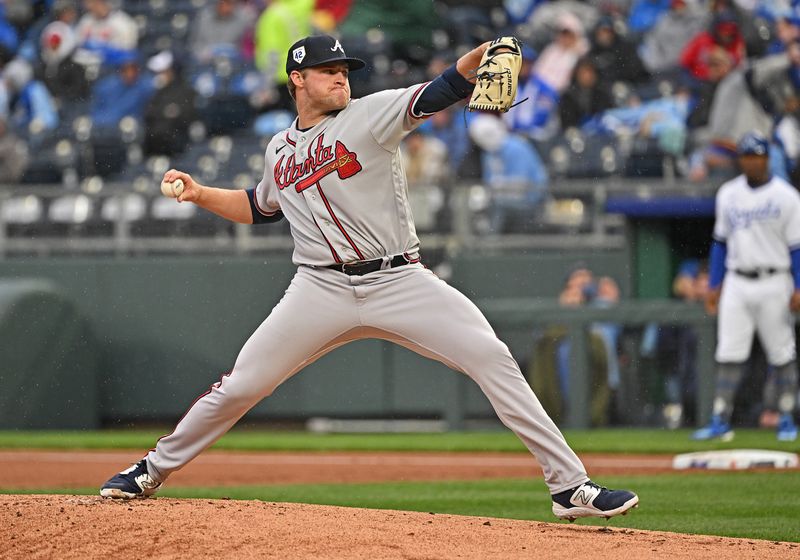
(65, 527)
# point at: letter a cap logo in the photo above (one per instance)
(317, 50)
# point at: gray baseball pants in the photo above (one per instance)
(323, 309)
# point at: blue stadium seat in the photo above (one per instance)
(50, 160)
(646, 159)
(575, 155)
(593, 156)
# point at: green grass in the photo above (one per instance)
(740, 504)
(735, 504)
(599, 441)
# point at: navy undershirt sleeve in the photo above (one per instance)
(795, 253)
(258, 217)
(446, 89)
(716, 265)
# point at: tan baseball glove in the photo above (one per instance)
(497, 76)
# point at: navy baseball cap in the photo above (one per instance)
(753, 144)
(316, 50)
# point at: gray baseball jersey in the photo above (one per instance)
(342, 188)
(341, 184)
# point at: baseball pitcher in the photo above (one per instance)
(756, 250)
(336, 175)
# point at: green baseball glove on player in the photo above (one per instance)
(497, 76)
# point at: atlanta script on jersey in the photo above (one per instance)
(325, 181)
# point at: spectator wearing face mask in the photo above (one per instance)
(29, 105)
(512, 171)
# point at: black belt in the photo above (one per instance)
(359, 268)
(756, 273)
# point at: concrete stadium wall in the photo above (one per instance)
(167, 328)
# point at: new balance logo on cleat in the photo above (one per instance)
(592, 500)
(583, 497)
(133, 482)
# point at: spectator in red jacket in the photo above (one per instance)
(724, 32)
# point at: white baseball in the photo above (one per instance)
(173, 189)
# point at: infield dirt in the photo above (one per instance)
(72, 527)
(88, 527)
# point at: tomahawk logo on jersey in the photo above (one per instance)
(315, 166)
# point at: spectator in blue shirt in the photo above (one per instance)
(536, 102)
(9, 39)
(449, 127)
(30, 106)
(645, 14)
(122, 94)
(512, 171)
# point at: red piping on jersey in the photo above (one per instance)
(333, 251)
(213, 386)
(409, 259)
(414, 100)
(258, 207)
(290, 141)
(338, 223)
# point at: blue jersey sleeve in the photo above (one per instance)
(795, 254)
(719, 252)
(448, 88)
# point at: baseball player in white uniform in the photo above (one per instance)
(756, 249)
(336, 175)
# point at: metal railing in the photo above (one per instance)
(529, 314)
(585, 224)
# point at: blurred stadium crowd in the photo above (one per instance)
(104, 91)
(101, 97)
